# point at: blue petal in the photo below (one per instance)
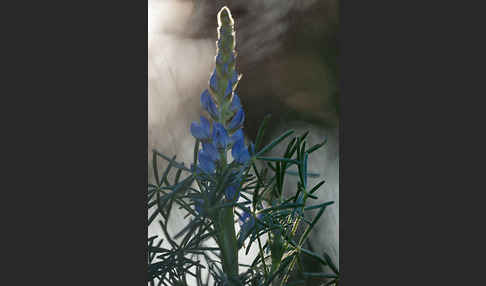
(208, 104)
(243, 156)
(235, 103)
(210, 150)
(240, 152)
(247, 221)
(205, 124)
(238, 135)
(231, 193)
(237, 120)
(197, 131)
(220, 136)
(238, 145)
(201, 131)
(244, 217)
(205, 162)
(213, 110)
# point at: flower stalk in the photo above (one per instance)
(226, 115)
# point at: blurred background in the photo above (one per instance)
(287, 53)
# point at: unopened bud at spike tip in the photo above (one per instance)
(224, 17)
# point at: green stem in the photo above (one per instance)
(228, 244)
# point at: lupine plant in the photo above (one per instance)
(231, 182)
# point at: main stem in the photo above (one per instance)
(228, 245)
(227, 234)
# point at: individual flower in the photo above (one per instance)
(231, 192)
(213, 81)
(237, 120)
(208, 104)
(247, 221)
(206, 163)
(238, 135)
(235, 103)
(201, 131)
(211, 151)
(240, 151)
(220, 136)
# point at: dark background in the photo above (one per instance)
(75, 143)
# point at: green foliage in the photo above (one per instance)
(269, 219)
(276, 217)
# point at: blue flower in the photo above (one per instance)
(237, 120)
(205, 162)
(208, 104)
(201, 131)
(235, 103)
(231, 192)
(238, 135)
(213, 81)
(247, 221)
(220, 136)
(211, 151)
(240, 151)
